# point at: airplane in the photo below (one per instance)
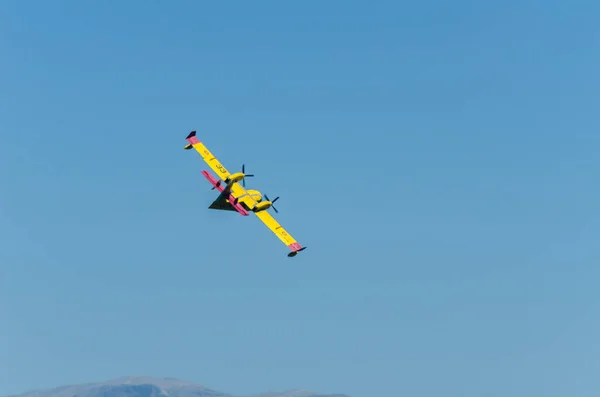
(234, 196)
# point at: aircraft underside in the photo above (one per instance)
(222, 203)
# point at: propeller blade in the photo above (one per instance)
(272, 201)
(245, 176)
(272, 206)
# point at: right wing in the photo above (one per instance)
(211, 160)
(242, 195)
(280, 232)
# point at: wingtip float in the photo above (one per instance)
(234, 196)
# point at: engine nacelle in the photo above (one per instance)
(263, 205)
(238, 176)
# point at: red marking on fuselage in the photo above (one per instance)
(237, 206)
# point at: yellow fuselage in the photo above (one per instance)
(263, 205)
(255, 195)
(253, 201)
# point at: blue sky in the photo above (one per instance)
(439, 159)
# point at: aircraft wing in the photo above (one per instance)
(280, 232)
(242, 195)
(210, 159)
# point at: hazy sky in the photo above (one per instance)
(440, 161)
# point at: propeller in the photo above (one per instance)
(273, 202)
(246, 175)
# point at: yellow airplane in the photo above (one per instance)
(235, 197)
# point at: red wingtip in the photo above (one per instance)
(296, 248)
(191, 138)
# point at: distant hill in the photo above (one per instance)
(151, 387)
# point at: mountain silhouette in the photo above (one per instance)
(143, 386)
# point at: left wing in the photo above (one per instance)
(280, 232)
(210, 159)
